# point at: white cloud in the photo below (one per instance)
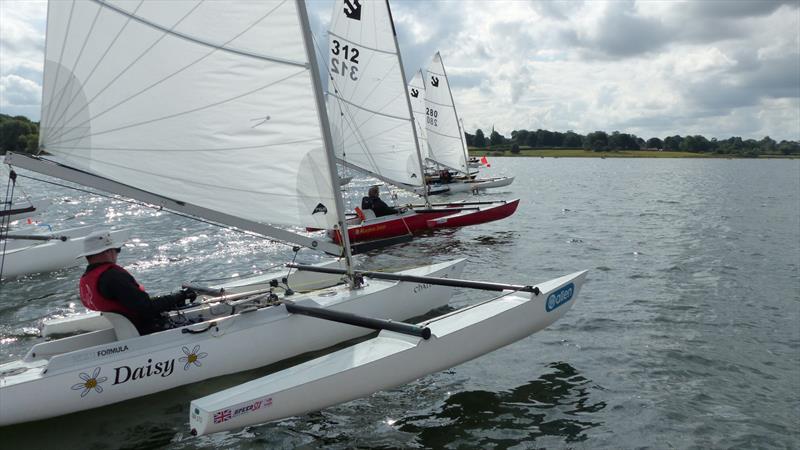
(18, 91)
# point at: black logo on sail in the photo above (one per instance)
(414, 93)
(434, 81)
(320, 208)
(352, 9)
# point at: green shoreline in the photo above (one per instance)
(580, 153)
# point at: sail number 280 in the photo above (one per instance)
(348, 66)
(432, 116)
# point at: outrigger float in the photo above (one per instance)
(391, 359)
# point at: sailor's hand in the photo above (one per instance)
(188, 295)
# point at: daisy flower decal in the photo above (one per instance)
(89, 383)
(192, 357)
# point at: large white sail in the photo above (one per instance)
(444, 133)
(208, 103)
(369, 112)
(416, 93)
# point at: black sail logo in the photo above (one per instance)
(320, 208)
(352, 9)
(434, 81)
(414, 93)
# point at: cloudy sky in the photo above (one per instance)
(652, 68)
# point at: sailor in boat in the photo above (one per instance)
(445, 176)
(107, 287)
(379, 207)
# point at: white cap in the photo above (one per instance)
(98, 242)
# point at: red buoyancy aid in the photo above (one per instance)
(94, 300)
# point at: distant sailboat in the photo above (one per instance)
(372, 124)
(448, 150)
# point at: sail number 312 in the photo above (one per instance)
(348, 66)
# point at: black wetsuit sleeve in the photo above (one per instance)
(122, 287)
(366, 203)
(381, 208)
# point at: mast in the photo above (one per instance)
(460, 131)
(322, 113)
(463, 140)
(410, 110)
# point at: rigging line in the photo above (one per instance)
(440, 104)
(123, 71)
(382, 79)
(468, 307)
(346, 116)
(443, 135)
(193, 150)
(359, 138)
(74, 64)
(92, 72)
(6, 220)
(63, 47)
(157, 208)
(171, 116)
(156, 83)
(356, 130)
(216, 47)
(377, 113)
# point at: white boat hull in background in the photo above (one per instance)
(389, 360)
(27, 257)
(469, 186)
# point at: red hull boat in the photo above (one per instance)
(418, 219)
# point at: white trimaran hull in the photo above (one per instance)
(468, 186)
(30, 256)
(116, 370)
(389, 360)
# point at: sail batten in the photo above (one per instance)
(211, 103)
(197, 40)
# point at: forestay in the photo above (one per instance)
(416, 93)
(443, 131)
(370, 115)
(208, 103)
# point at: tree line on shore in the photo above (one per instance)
(19, 134)
(600, 141)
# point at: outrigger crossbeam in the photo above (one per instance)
(482, 285)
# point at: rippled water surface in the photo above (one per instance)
(686, 335)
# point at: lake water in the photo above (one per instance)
(686, 334)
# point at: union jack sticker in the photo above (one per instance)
(222, 416)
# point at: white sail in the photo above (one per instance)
(369, 112)
(208, 103)
(443, 131)
(416, 92)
